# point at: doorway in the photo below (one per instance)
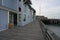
(13, 18)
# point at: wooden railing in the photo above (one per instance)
(45, 32)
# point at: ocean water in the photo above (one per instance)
(55, 29)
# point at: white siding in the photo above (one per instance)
(28, 14)
(3, 20)
(20, 4)
(10, 4)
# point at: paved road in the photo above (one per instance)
(31, 31)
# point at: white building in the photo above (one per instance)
(18, 12)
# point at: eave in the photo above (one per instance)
(28, 2)
(32, 9)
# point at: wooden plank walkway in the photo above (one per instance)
(31, 31)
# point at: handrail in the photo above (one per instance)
(46, 34)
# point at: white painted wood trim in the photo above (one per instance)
(8, 20)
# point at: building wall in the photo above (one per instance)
(31, 14)
(20, 4)
(10, 4)
(3, 19)
(23, 13)
(28, 14)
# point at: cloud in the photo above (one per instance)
(49, 8)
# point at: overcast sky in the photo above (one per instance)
(48, 8)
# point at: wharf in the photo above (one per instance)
(31, 31)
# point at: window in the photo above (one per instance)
(23, 0)
(10, 18)
(24, 17)
(19, 9)
(25, 8)
(19, 0)
(19, 17)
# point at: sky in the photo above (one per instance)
(47, 8)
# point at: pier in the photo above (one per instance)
(36, 30)
(30, 31)
(51, 21)
(46, 20)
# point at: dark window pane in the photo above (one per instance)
(19, 9)
(19, 0)
(24, 0)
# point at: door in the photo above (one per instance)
(15, 19)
